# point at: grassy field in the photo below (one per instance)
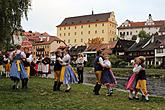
(125, 72)
(40, 96)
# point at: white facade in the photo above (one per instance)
(159, 54)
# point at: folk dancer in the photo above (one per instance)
(68, 74)
(17, 70)
(98, 72)
(108, 79)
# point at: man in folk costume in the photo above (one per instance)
(17, 70)
(57, 71)
(68, 74)
(98, 72)
(46, 65)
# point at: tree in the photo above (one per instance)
(11, 12)
(143, 35)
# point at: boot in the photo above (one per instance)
(55, 86)
(26, 83)
(23, 83)
(98, 86)
(94, 90)
(58, 86)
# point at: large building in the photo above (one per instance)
(128, 29)
(80, 30)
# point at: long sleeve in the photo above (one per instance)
(137, 69)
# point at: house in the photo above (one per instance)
(128, 29)
(121, 48)
(151, 48)
(79, 30)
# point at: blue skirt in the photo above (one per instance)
(68, 75)
(108, 78)
(14, 73)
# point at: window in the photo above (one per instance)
(69, 28)
(75, 33)
(89, 25)
(68, 34)
(81, 33)
(81, 26)
(64, 28)
(75, 27)
(95, 32)
(81, 40)
(159, 51)
(95, 25)
(130, 33)
(60, 34)
(102, 39)
(102, 31)
(60, 28)
(68, 40)
(64, 34)
(74, 40)
(89, 32)
(127, 33)
(103, 24)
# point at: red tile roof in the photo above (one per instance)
(132, 24)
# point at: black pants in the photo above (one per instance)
(80, 75)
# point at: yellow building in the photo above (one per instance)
(46, 45)
(80, 30)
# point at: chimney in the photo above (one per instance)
(47, 38)
(92, 12)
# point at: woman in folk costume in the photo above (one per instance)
(108, 79)
(46, 65)
(68, 75)
(27, 61)
(80, 67)
(141, 79)
(17, 70)
(132, 81)
(57, 71)
(39, 65)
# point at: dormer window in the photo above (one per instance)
(72, 22)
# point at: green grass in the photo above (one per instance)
(40, 96)
(125, 72)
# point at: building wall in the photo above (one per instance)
(135, 31)
(159, 54)
(81, 34)
(54, 45)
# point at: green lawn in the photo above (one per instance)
(40, 96)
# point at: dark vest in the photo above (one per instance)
(57, 66)
(26, 64)
(141, 75)
(97, 66)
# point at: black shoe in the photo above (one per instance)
(58, 86)
(136, 98)
(14, 87)
(67, 90)
(98, 86)
(130, 98)
(55, 86)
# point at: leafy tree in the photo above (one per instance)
(114, 60)
(143, 35)
(11, 12)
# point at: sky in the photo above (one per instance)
(45, 15)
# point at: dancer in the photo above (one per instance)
(98, 72)
(17, 70)
(7, 65)
(80, 67)
(108, 79)
(141, 79)
(132, 81)
(68, 75)
(46, 65)
(1, 63)
(57, 71)
(39, 66)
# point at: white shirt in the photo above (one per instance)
(66, 59)
(107, 64)
(17, 52)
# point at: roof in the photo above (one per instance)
(125, 43)
(46, 41)
(132, 24)
(147, 44)
(93, 18)
(96, 47)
